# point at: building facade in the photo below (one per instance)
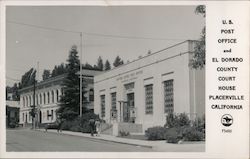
(145, 90)
(47, 98)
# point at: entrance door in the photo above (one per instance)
(127, 107)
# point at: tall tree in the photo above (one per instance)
(88, 66)
(28, 78)
(199, 57)
(100, 63)
(107, 65)
(69, 103)
(46, 74)
(118, 61)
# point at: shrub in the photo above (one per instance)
(155, 133)
(123, 133)
(191, 134)
(173, 120)
(173, 135)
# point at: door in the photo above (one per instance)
(127, 107)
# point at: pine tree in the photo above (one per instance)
(107, 65)
(118, 62)
(69, 103)
(100, 63)
(46, 74)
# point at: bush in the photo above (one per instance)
(173, 120)
(191, 134)
(173, 135)
(155, 133)
(80, 124)
(123, 133)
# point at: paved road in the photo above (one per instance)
(26, 140)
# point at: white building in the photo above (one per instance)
(139, 94)
(47, 97)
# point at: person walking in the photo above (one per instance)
(92, 126)
(98, 127)
(59, 125)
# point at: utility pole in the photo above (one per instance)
(80, 74)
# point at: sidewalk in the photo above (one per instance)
(155, 145)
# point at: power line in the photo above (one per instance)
(42, 27)
(93, 34)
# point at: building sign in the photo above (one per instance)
(129, 77)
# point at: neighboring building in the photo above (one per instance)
(47, 97)
(12, 113)
(139, 94)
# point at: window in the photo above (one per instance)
(102, 106)
(168, 96)
(57, 96)
(149, 99)
(40, 99)
(52, 114)
(52, 96)
(23, 102)
(91, 95)
(30, 100)
(48, 98)
(113, 101)
(47, 114)
(44, 98)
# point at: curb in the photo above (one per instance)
(120, 142)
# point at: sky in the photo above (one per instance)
(131, 30)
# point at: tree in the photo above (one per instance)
(107, 66)
(69, 103)
(88, 66)
(118, 62)
(59, 70)
(46, 74)
(199, 57)
(28, 78)
(100, 63)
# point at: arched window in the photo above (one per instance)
(30, 100)
(27, 101)
(57, 95)
(48, 98)
(52, 96)
(40, 98)
(23, 102)
(44, 98)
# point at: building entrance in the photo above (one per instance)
(128, 109)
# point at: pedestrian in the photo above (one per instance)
(59, 125)
(92, 126)
(98, 127)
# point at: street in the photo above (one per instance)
(26, 140)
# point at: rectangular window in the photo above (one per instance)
(113, 101)
(149, 99)
(102, 106)
(169, 96)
